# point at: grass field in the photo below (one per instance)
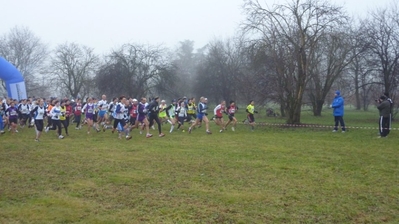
(275, 174)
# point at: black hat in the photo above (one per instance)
(383, 97)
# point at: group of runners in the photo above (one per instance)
(120, 115)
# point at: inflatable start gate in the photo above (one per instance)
(15, 83)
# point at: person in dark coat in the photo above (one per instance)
(384, 108)
(391, 112)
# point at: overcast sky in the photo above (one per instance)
(106, 24)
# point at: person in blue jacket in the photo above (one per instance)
(338, 106)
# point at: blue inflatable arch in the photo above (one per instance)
(15, 83)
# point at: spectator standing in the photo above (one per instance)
(338, 106)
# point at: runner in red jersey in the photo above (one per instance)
(133, 114)
(231, 110)
(218, 111)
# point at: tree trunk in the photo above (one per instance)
(294, 116)
(358, 101)
(294, 111)
(318, 107)
(282, 109)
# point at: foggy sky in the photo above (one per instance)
(107, 24)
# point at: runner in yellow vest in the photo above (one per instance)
(63, 116)
(162, 112)
(250, 116)
(191, 108)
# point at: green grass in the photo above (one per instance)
(272, 175)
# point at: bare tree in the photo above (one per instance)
(382, 31)
(265, 65)
(136, 71)
(329, 61)
(72, 66)
(218, 71)
(300, 24)
(363, 69)
(26, 52)
(185, 62)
